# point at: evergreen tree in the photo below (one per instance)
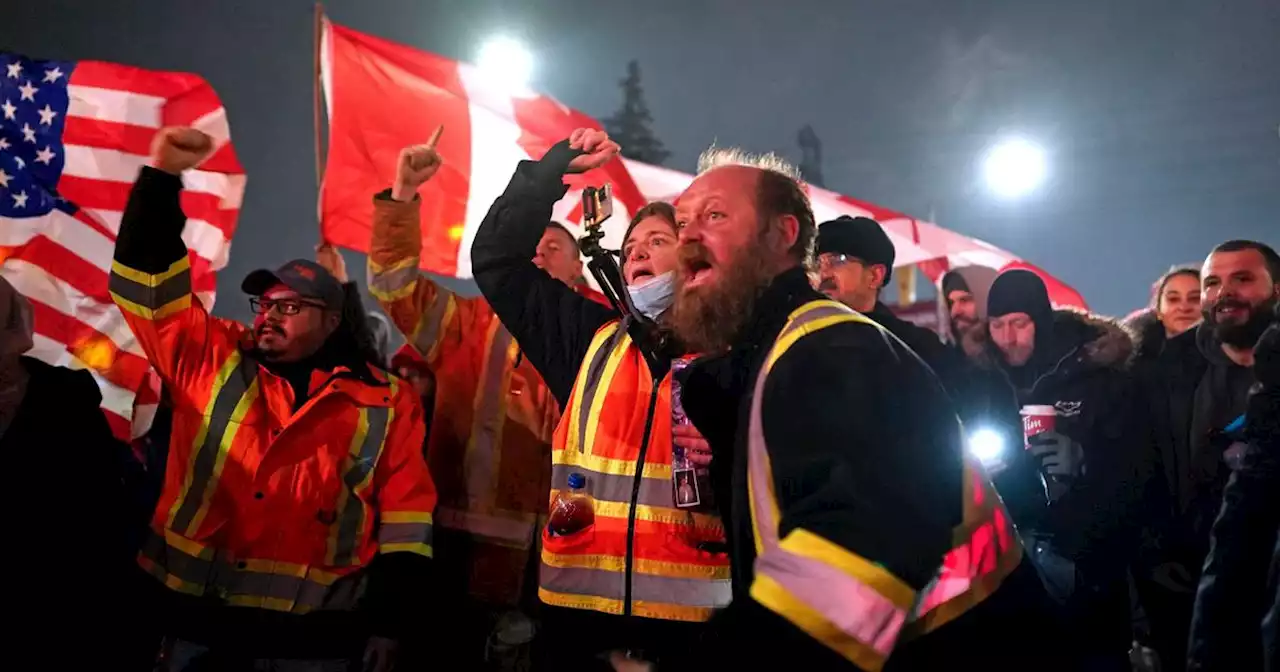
(811, 151)
(629, 127)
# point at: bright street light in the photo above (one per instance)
(1015, 167)
(987, 445)
(506, 61)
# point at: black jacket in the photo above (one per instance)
(1188, 389)
(72, 521)
(1096, 523)
(866, 453)
(1238, 587)
(946, 360)
(553, 324)
(948, 363)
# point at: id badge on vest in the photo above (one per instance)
(690, 484)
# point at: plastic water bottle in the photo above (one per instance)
(573, 510)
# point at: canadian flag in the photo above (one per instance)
(381, 96)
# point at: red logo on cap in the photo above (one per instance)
(304, 271)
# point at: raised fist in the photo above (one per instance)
(597, 145)
(416, 165)
(331, 260)
(175, 149)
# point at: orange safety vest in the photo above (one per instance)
(843, 600)
(642, 556)
(262, 506)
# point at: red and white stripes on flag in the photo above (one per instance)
(60, 260)
(381, 96)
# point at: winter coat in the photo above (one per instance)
(1094, 526)
(865, 448)
(1149, 336)
(1188, 390)
(70, 515)
(1238, 587)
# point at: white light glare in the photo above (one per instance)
(1015, 167)
(507, 61)
(986, 444)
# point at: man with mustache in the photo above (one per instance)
(855, 262)
(640, 582)
(1197, 389)
(851, 503)
(962, 300)
(295, 478)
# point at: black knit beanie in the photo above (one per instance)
(1020, 291)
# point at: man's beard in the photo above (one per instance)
(1244, 334)
(961, 326)
(707, 318)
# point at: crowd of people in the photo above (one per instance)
(777, 467)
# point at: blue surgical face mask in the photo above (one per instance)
(654, 296)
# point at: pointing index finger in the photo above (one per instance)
(435, 137)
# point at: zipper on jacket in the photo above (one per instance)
(635, 495)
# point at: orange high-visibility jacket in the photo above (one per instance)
(796, 575)
(617, 433)
(491, 428)
(263, 506)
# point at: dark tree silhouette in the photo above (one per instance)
(811, 156)
(630, 126)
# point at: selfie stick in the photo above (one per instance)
(597, 207)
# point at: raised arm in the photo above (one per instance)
(426, 313)
(151, 272)
(553, 324)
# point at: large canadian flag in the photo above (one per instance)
(381, 96)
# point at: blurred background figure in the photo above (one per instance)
(379, 328)
(962, 300)
(1195, 391)
(1175, 308)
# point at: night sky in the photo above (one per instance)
(1161, 116)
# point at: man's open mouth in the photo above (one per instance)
(695, 270)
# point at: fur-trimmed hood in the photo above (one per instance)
(1148, 334)
(1097, 342)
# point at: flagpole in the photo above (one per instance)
(316, 103)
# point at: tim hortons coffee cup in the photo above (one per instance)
(1037, 420)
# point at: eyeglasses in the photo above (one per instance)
(832, 260)
(285, 306)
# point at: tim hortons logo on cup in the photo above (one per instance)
(1037, 420)
(1035, 424)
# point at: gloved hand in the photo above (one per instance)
(1058, 454)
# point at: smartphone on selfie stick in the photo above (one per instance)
(597, 206)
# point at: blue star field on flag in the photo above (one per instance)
(33, 111)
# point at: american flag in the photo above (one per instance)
(73, 135)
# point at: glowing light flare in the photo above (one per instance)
(1015, 167)
(506, 62)
(97, 352)
(987, 445)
